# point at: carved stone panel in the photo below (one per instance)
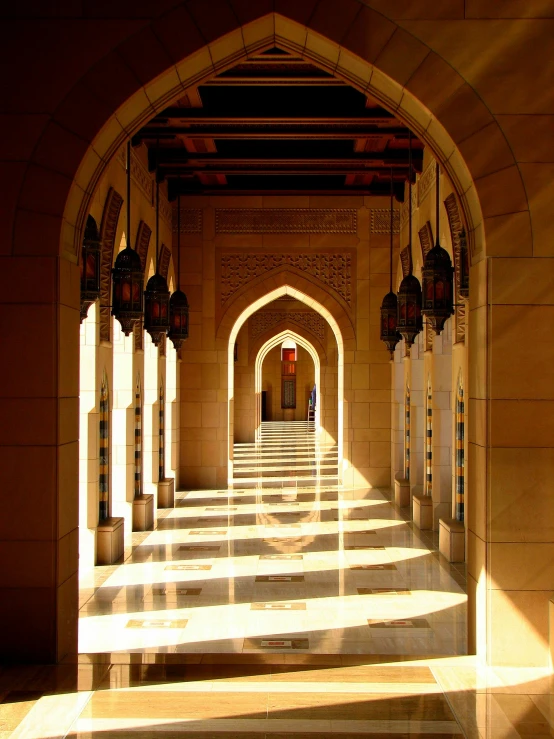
(380, 221)
(456, 226)
(108, 229)
(191, 221)
(285, 220)
(165, 259)
(426, 239)
(406, 260)
(143, 239)
(311, 321)
(333, 269)
(138, 336)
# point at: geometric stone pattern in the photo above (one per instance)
(191, 221)
(285, 220)
(332, 269)
(108, 227)
(380, 221)
(139, 174)
(312, 322)
(426, 182)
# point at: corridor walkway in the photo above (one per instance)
(284, 607)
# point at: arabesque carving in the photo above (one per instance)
(286, 220)
(333, 269)
(311, 321)
(426, 181)
(139, 174)
(108, 229)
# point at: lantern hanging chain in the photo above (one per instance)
(410, 197)
(438, 189)
(179, 236)
(391, 226)
(129, 193)
(157, 208)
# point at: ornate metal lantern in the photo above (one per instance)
(127, 274)
(156, 308)
(178, 318)
(127, 295)
(389, 307)
(90, 267)
(178, 303)
(438, 279)
(156, 295)
(409, 320)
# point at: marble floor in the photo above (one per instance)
(285, 606)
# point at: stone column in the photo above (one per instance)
(39, 458)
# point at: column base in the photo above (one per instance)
(423, 512)
(166, 493)
(143, 513)
(110, 541)
(401, 492)
(452, 539)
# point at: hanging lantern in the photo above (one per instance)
(156, 308)
(409, 320)
(127, 295)
(127, 274)
(389, 334)
(90, 267)
(156, 295)
(178, 318)
(389, 307)
(178, 303)
(438, 279)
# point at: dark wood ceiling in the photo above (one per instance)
(277, 124)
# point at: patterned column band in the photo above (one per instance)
(161, 461)
(138, 442)
(460, 466)
(429, 445)
(104, 452)
(407, 435)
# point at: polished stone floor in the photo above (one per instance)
(283, 607)
(286, 561)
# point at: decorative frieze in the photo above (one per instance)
(191, 220)
(380, 221)
(166, 211)
(286, 220)
(108, 229)
(138, 336)
(263, 321)
(333, 269)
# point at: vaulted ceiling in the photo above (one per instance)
(276, 124)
